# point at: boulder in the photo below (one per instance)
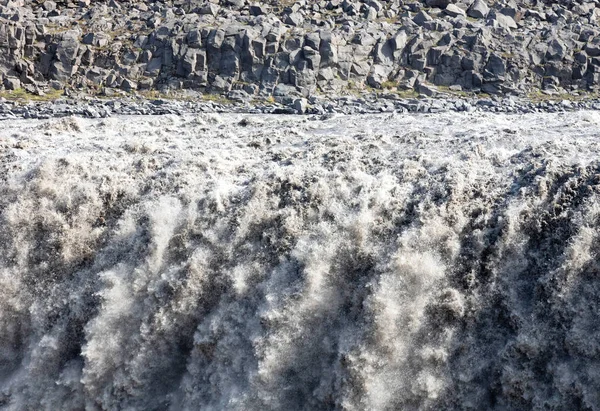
(557, 50)
(129, 85)
(258, 9)
(11, 83)
(300, 105)
(441, 4)
(504, 21)
(454, 11)
(478, 10)
(294, 19)
(209, 9)
(378, 75)
(427, 90)
(421, 18)
(593, 47)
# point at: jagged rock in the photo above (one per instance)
(11, 83)
(235, 4)
(294, 19)
(478, 10)
(129, 85)
(220, 84)
(239, 95)
(398, 42)
(312, 40)
(454, 11)
(300, 105)
(427, 90)
(378, 75)
(495, 68)
(209, 9)
(258, 10)
(557, 50)
(503, 21)
(421, 18)
(593, 48)
(312, 57)
(95, 39)
(153, 66)
(383, 53)
(327, 49)
(536, 14)
(442, 4)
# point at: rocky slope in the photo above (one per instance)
(292, 49)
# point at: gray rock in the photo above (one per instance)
(294, 19)
(557, 49)
(153, 67)
(442, 4)
(495, 69)
(478, 10)
(504, 21)
(258, 10)
(300, 105)
(220, 84)
(454, 11)
(427, 90)
(129, 85)
(239, 95)
(421, 18)
(11, 83)
(209, 9)
(378, 75)
(593, 48)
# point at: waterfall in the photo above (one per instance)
(237, 262)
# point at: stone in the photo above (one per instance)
(441, 4)
(557, 50)
(239, 96)
(478, 10)
(235, 4)
(398, 41)
(11, 83)
(495, 69)
(128, 85)
(593, 48)
(153, 66)
(454, 11)
(427, 90)
(504, 21)
(300, 105)
(220, 84)
(294, 19)
(421, 18)
(258, 10)
(378, 75)
(209, 9)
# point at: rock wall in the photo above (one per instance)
(290, 49)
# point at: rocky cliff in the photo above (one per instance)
(288, 49)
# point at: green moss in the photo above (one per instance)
(216, 98)
(23, 95)
(459, 93)
(537, 96)
(407, 93)
(386, 85)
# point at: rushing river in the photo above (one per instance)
(233, 262)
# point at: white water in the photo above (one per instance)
(286, 263)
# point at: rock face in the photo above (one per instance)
(310, 47)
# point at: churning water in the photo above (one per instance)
(242, 262)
